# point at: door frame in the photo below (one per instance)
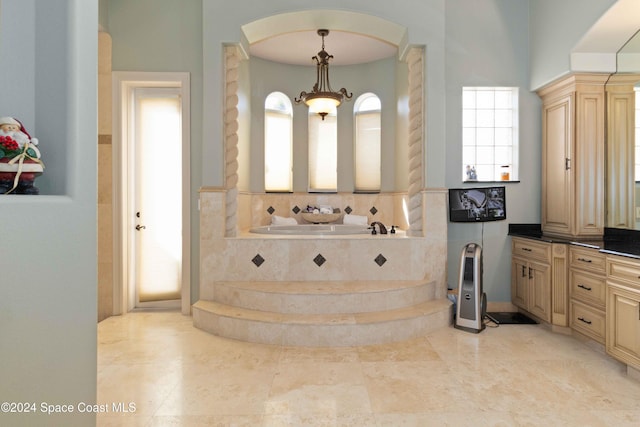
(123, 85)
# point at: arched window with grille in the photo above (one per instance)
(278, 151)
(367, 142)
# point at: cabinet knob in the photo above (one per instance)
(584, 260)
(588, 322)
(586, 288)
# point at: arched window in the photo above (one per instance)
(367, 143)
(278, 119)
(323, 152)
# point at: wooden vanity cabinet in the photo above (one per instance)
(623, 309)
(573, 156)
(587, 292)
(621, 145)
(538, 283)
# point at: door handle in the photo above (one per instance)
(140, 227)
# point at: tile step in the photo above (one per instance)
(321, 287)
(323, 297)
(346, 329)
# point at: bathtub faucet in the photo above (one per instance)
(381, 227)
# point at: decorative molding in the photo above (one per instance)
(415, 61)
(231, 62)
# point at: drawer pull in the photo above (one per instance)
(526, 249)
(586, 288)
(588, 322)
(584, 260)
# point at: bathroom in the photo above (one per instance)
(482, 43)
(441, 159)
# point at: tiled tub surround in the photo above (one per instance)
(287, 289)
(256, 209)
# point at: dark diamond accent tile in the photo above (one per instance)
(296, 209)
(257, 260)
(380, 259)
(373, 210)
(271, 210)
(348, 209)
(319, 260)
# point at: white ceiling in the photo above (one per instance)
(299, 47)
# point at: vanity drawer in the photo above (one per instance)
(531, 249)
(588, 288)
(621, 268)
(587, 259)
(589, 321)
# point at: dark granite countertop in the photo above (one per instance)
(616, 241)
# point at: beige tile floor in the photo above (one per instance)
(513, 375)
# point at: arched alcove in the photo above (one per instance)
(411, 124)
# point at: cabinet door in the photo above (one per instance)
(520, 283)
(623, 324)
(557, 194)
(620, 156)
(588, 163)
(540, 290)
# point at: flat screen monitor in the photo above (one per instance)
(477, 204)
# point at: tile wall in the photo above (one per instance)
(256, 209)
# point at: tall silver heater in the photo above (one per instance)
(472, 302)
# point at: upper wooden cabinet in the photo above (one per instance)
(573, 156)
(620, 208)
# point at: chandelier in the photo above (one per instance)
(322, 99)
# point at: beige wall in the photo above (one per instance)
(105, 204)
